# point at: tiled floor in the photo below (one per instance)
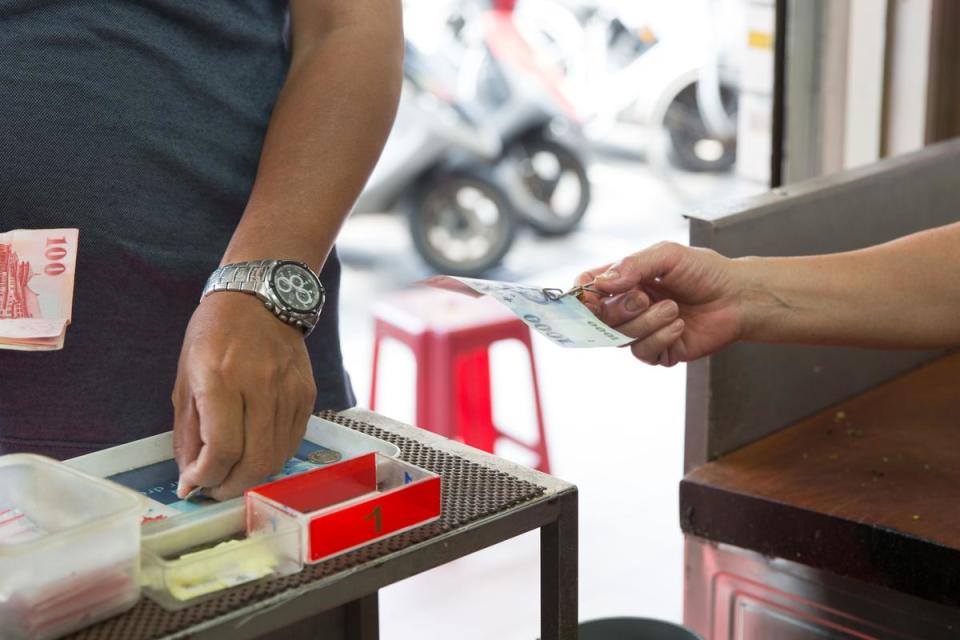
(615, 425)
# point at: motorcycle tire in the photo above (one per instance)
(532, 194)
(461, 222)
(689, 137)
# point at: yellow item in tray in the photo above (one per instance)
(226, 565)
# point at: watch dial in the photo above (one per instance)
(296, 287)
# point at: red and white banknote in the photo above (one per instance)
(37, 268)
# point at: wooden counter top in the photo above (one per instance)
(868, 489)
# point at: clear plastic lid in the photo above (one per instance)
(44, 502)
(69, 548)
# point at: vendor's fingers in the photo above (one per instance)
(301, 420)
(650, 321)
(288, 429)
(616, 310)
(655, 348)
(186, 430)
(283, 419)
(221, 429)
(260, 457)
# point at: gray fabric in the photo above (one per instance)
(140, 123)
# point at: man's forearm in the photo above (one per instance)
(902, 294)
(326, 132)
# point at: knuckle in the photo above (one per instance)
(259, 469)
(226, 454)
(205, 400)
(208, 386)
(670, 252)
(178, 449)
(268, 372)
(647, 324)
(225, 368)
(644, 352)
(666, 246)
(296, 436)
(224, 492)
(631, 261)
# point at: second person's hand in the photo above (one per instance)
(680, 303)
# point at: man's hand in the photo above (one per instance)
(680, 303)
(243, 395)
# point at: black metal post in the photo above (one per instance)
(779, 94)
(559, 552)
(363, 618)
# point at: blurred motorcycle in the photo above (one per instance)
(436, 166)
(520, 97)
(625, 82)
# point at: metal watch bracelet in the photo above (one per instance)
(247, 276)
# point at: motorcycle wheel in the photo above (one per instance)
(462, 223)
(549, 185)
(692, 147)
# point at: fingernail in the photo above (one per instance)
(634, 302)
(180, 491)
(611, 274)
(669, 309)
(193, 493)
(676, 326)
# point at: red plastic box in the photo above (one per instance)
(348, 504)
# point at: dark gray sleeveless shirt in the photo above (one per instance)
(139, 122)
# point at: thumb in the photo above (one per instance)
(640, 268)
(187, 483)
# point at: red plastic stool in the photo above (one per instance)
(450, 336)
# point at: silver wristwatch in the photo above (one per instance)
(288, 288)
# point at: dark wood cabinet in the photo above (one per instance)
(822, 495)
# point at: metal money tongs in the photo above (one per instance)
(578, 291)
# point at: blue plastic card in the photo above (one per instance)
(158, 481)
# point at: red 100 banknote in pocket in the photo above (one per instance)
(37, 268)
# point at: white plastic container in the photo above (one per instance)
(191, 558)
(69, 548)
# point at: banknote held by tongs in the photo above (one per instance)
(558, 315)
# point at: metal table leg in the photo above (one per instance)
(363, 618)
(558, 573)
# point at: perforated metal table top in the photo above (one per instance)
(485, 499)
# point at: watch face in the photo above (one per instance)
(296, 287)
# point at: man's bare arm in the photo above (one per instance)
(245, 386)
(901, 294)
(327, 129)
